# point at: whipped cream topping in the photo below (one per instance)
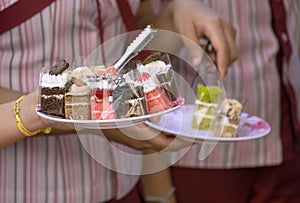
(128, 79)
(150, 84)
(153, 68)
(201, 112)
(60, 80)
(103, 84)
(205, 104)
(81, 72)
(156, 67)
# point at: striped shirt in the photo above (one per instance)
(58, 168)
(255, 75)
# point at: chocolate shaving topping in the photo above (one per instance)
(58, 68)
(68, 85)
(153, 57)
(131, 65)
(77, 82)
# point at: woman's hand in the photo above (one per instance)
(27, 113)
(195, 20)
(139, 137)
(34, 122)
(143, 137)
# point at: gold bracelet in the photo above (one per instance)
(20, 124)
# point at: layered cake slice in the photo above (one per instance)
(52, 89)
(228, 119)
(162, 70)
(77, 101)
(77, 97)
(102, 107)
(128, 95)
(165, 74)
(205, 107)
(159, 86)
(156, 101)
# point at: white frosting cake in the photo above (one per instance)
(50, 81)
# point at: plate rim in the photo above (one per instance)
(211, 138)
(109, 123)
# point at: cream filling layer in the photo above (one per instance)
(60, 96)
(206, 104)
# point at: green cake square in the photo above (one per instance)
(205, 107)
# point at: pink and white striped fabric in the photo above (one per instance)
(6, 3)
(254, 74)
(57, 168)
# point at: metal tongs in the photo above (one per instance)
(135, 47)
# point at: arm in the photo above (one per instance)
(143, 137)
(193, 20)
(8, 95)
(152, 139)
(28, 115)
(158, 184)
(8, 127)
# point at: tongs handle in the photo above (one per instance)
(135, 47)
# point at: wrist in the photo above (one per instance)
(27, 122)
(163, 199)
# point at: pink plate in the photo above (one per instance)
(179, 122)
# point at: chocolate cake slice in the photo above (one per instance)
(52, 88)
(129, 100)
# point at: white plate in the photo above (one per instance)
(179, 123)
(108, 124)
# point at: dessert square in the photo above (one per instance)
(52, 89)
(129, 98)
(205, 107)
(228, 118)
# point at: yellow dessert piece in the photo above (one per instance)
(205, 107)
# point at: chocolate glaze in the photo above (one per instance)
(153, 57)
(58, 68)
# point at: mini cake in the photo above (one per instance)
(81, 73)
(98, 93)
(128, 95)
(77, 101)
(156, 101)
(52, 89)
(205, 107)
(157, 98)
(77, 97)
(229, 118)
(102, 107)
(164, 73)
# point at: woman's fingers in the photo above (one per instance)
(220, 34)
(143, 137)
(195, 20)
